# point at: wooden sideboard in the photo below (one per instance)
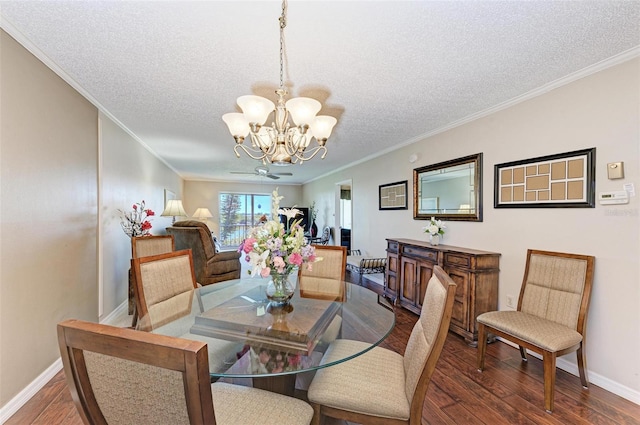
(410, 266)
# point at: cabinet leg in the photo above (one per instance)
(491, 338)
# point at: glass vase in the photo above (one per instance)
(434, 239)
(280, 289)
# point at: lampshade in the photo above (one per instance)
(174, 209)
(303, 109)
(237, 123)
(256, 109)
(322, 126)
(202, 214)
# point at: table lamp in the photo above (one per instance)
(174, 209)
(202, 214)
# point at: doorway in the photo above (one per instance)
(344, 214)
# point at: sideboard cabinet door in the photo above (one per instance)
(410, 266)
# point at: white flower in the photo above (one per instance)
(289, 212)
(434, 227)
(258, 261)
(276, 202)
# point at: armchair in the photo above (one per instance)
(210, 266)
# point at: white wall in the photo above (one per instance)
(205, 194)
(602, 111)
(64, 173)
(129, 174)
(48, 214)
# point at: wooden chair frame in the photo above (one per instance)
(548, 357)
(417, 402)
(141, 302)
(185, 356)
(135, 254)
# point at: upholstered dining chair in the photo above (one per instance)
(122, 376)
(166, 298)
(382, 386)
(551, 318)
(326, 276)
(332, 266)
(144, 246)
(164, 288)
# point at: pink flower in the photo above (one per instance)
(295, 258)
(247, 245)
(135, 207)
(279, 264)
(146, 225)
(149, 213)
(265, 272)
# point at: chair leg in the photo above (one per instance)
(549, 365)
(134, 320)
(316, 420)
(582, 365)
(482, 346)
(523, 353)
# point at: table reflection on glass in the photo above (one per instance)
(248, 338)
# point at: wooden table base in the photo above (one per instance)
(283, 384)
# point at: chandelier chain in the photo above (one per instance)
(283, 24)
(280, 143)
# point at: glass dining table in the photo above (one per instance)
(254, 342)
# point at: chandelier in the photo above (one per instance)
(281, 143)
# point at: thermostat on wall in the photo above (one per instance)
(615, 197)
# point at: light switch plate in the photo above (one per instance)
(615, 170)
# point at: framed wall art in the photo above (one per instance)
(565, 180)
(393, 196)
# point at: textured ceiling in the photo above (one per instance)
(389, 71)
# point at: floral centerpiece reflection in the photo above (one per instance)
(273, 251)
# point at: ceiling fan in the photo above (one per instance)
(263, 171)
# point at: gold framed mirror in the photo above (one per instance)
(450, 190)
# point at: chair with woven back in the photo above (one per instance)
(382, 386)
(332, 266)
(166, 298)
(551, 317)
(145, 246)
(123, 376)
(326, 276)
(164, 290)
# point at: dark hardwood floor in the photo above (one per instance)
(507, 392)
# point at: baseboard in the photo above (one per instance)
(115, 317)
(37, 384)
(25, 395)
(594, 378)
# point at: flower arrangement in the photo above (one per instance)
(434, 227)
(136, 223)
(270, 249)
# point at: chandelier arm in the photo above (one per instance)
(258, 144)
(313, 152)
(260, 155)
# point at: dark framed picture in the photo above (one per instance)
(393, 196)
(565, 180)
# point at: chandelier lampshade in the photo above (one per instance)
(280, 142)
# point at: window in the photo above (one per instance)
(239, 212)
